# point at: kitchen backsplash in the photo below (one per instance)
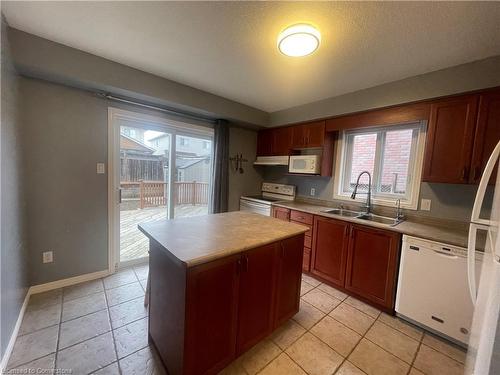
(448, 201)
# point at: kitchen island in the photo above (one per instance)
(219, 284)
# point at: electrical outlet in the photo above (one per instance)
(313, 192)
(47, 257)
(425, 204)
(100, 168)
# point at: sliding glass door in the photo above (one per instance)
(159, 169)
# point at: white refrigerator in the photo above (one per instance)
(483, 356)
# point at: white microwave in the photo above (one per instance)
(306, 164)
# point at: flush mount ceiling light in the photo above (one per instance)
(299, 40)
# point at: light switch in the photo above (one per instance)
(47, 257)
(425, 204)
(313, 192)
(100, 168)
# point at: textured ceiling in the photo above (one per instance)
(229, 48)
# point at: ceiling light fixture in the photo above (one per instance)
(299, 40)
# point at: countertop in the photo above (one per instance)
(201, 239)
(448, 233)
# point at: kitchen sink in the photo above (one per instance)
(342, 212)
(379, 219)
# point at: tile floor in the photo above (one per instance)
(100, 327)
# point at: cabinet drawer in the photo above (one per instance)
(306, 260)
(308, 241)
(301, 217)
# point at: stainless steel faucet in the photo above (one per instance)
(399, 211)
(368, 205)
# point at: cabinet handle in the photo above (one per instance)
(465, 173)
(352, 233)
(238, 266)
(345, 231)
(282, 249)
(246, 263)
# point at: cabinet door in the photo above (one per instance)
(289, 278)
(281, 213)
(329, 254)
(265, 140)
(282, 141)
(487, 134)
(372, 261)
(211, 315)
(298, 136)
(255, 309)
(449, 140)
(315, 134)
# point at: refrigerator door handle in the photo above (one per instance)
(471, 260)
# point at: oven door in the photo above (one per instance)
(252, 206)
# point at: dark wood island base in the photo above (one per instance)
(202, 317)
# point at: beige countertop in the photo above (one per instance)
(201, 239)
(447, 232)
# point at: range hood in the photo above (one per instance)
(271, 160)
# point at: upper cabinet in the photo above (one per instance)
(308, 135)
(274, 142)
(450, 140)
(487, 133)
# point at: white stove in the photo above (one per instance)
(271, 192)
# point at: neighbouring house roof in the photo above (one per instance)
(128, 143)
(183, 163)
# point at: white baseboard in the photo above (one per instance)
(39, 289)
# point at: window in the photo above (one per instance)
(184, 141)
(393, 157)
(206, 145)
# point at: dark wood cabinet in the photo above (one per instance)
(281, 213)
(487, 134)
(288, 279)
(211, 315)
(308, 135)
(256, 296)
(372, 262)
(330, 249)
(274, 142)
(450, 140)
(265, 142)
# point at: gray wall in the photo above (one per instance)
(14, 269)
(243, 141)
(66, 135)
(467, 77)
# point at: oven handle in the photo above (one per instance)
(253, 204)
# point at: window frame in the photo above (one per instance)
(415, 164)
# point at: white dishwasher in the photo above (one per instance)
(432, 287)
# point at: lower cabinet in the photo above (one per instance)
(281, 213)
(372, 262)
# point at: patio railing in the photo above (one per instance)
(155, 193)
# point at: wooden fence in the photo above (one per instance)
(155, 193)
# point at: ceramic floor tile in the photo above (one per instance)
(127, 312)
(83, 306)
(41, 300)
(305, 287)
(336, 335)
(332, 291)
(348, 368)
(235, 368)
(35, 319)
(395, 342)
(353, 318)
(445, 347)
(432, 362)
(414, 371)
(287, 334)
(45, 364)
(144, 361)
(401, 325)
(282, 365)
(314, 356)
(310, 280)
(132, 337)
(111, 369)
(308, 315)
(88, 356)
(34, 345)
(83, 289)
(321, 300)
(124, 293)
(374, 360)
(142, 271)
(259, 356)
(363, 307)
(84, 328)
(120, 278)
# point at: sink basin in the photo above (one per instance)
(342, 212)
(380, 219)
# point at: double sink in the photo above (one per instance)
(363, 216)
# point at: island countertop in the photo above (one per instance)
(201, 239)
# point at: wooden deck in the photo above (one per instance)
(134, 244)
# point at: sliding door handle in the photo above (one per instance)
(120, 195)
